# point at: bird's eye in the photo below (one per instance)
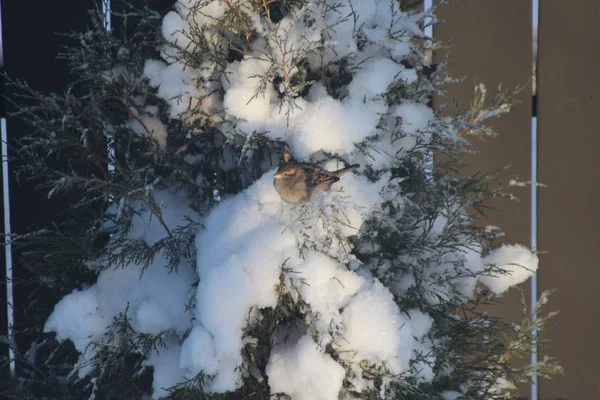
(286, 173)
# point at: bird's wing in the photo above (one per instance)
(320, 176)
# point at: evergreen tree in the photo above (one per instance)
(179, 272)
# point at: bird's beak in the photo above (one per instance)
(277, 176)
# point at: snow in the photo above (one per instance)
(165, 362)
(374, 78)
(248, 238)
(415, 116)
(517, 262)
(203, 16)
(151, 318)
(399, 130)
(380, 343)
(182, 87)
(156, 298)
(176, 30)
(174, 84)
(240, 255)
(502, 386)
(340, 41)
(473, 264)
(76, 318)
(503, 268)
(333, 126)
(321, 123)
(391, 338)
(241, 99)
(304, 372)
(246, 241)
(197, 354)
(156, 302)
(438, 225)
(451, 395)
(150, 126)
(174, 210)
(324, 123)
(327, 288)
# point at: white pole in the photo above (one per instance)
(10, 316)
(108, 27)
(534, 282)
(429, 60)
(428, 30)
(106, 13)
(533, 223)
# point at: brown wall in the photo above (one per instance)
(569, 209)
(483, 49)
(491, 40)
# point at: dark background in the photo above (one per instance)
(31, 43)
(31, 32)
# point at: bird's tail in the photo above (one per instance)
(344, 171)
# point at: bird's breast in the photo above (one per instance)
(293, 192)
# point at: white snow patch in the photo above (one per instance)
(246, 241)
(197, 353)
(519, 263)
(415, 116)
(182, 87)
(240, 255)
(374, 78)
(376, 331)
(304, 372)
(156, 299)
(152, 127)
(327, 288)
(176, 30)
(77, 318)
(451, 395)
(151, 318)
(165, 362)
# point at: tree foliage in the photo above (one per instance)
(99, 146)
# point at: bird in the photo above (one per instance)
(299, 183)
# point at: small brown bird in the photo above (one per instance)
(300, 183)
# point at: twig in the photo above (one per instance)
(153, 209)
(476, 120)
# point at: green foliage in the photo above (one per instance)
(83, 148)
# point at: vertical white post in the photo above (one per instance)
(427, 4)
(533, 223)
(10, 316)
(108, 27)
(106, 13)
(534, 283)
